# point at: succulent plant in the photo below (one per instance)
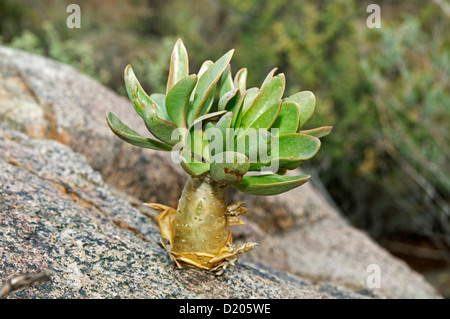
(222, 134)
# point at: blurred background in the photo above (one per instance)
(386, 90)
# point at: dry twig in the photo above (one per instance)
(24, 280)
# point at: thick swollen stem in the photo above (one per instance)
(198, 234)
(201, 224)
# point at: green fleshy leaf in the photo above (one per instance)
(207, 117)
(269, 96)
(221, 131)
(204, 67)
(265, 120)
(225, 121)
(128, 135)
(136, 93)
(229, 167)
(306, 101)
(270, 184)
(288, 118)
(226, 82)
(290, 150)
(240, 80)
(291, 166)
(238, 111)
(269, 77)
(208, 126)
(256, 145)
(160, 128)
(205, 85)
(159, 100)
(282, 171)
(251, 95)
(209, 102)
(318, 132)
(295, 147)
(191, 166)
(198, 141)
(177, 100)
(229, 100)
(179, 65)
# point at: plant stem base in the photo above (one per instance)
(216, 263)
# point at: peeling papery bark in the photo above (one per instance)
(197, 234)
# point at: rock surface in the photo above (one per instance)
(57, 213)
(299, 232)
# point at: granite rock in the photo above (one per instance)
(57, 213)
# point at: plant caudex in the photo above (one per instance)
(247, 130)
